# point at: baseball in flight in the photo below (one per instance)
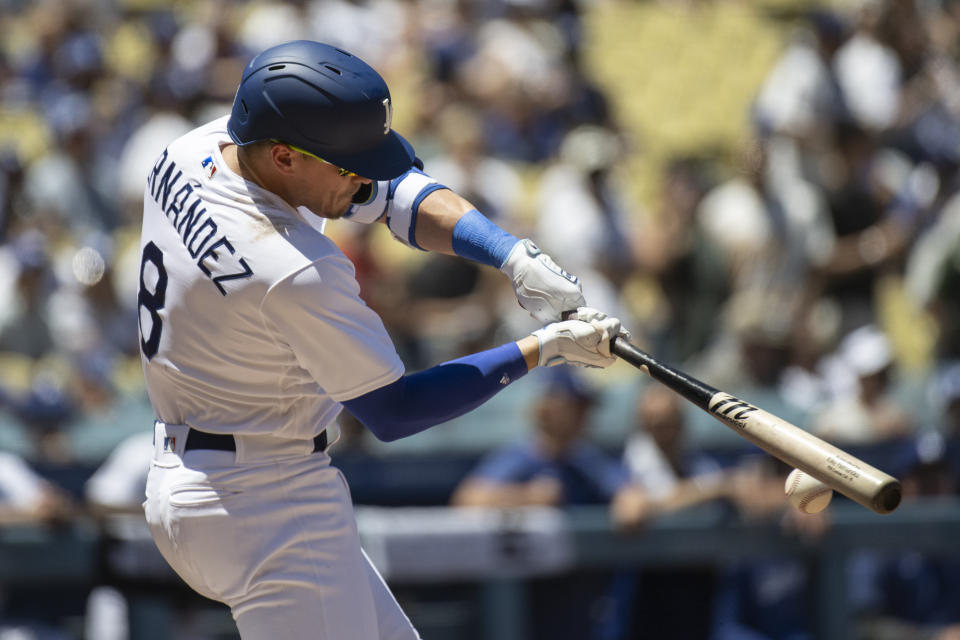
(806, 493)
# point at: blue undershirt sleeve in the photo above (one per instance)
(418, 401)
(476, 238)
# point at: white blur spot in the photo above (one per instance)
(88, 266)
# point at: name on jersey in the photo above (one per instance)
(177, 198)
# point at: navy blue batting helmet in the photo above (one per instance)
(324, 100)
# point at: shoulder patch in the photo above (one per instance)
(209, 167)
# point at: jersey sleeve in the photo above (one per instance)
(374, 207)
(399, 199)
(317, 311)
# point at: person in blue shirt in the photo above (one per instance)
(557, 465)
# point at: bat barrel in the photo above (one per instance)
(826, 462)
(836, 468)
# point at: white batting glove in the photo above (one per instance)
(542, 287)
(579, 342)
(589, 314)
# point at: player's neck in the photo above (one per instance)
(245, 166)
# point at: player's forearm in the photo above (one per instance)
(436, 219)
(530, 350)
(449, 224)
(421, 400)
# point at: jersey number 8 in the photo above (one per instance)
(151, 301)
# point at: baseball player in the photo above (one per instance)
(254, 338)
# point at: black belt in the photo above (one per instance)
(225, 442)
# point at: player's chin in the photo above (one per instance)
(334, 212)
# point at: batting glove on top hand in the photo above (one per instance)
(583, 342)
(542, 287)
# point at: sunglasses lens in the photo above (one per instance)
(340, 170)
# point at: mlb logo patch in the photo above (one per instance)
(169, 443)
(209, 168)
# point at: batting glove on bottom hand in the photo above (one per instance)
(584, 341)
(541, 286)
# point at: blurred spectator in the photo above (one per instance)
(119, 484)
(666, 473)
(690, 270)
(933, 277)
(768, 597)
(869, 71)
(873, 215)
(161, 124)
(375, 31)
(799, 97)
(88, 316)
(582, 214)
(864, 412)
(556, 465)
(43, 409)
(105, 413)
(947, 398)
(771, 222)
(465, 165)
(910, 594)
(520, 71)
(268, 23)
(28, 498)
(764, 599)
(666, 476)
(26, 329)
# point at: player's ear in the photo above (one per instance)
(283, 157)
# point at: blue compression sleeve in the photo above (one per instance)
(421, 400)
(476, 238)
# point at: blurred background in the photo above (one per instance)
(765, 191)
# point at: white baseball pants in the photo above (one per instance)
(273, 537)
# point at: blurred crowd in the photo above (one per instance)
(813, 270)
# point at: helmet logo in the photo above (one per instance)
(388, 108)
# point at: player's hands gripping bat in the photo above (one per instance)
(582, 340)
(542, 287)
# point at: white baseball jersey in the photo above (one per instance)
(250, 318)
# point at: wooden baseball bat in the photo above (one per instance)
(833, 466)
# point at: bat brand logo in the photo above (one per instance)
(731, 409)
